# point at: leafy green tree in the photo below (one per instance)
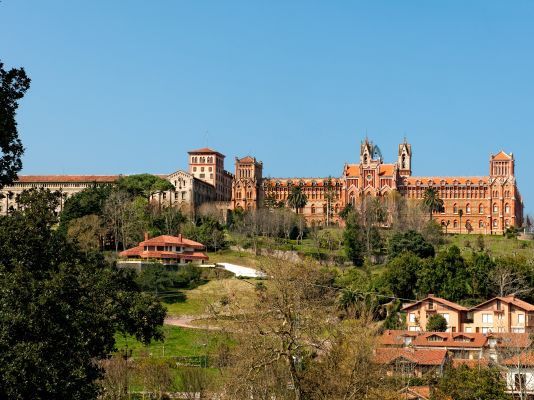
(410, 241)
(446, 276)
(87, 232)
(60, 308)
(464, 383)
(354, 240)
(346, 211)
(89, 201)
(296, 198)
(155, 278)
(436, 323)
(432, 202)
(144, 185)
(13, 85)
(401, 275)
(207, 231)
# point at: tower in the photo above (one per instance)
(405, 159)
(502, 165)
(208, 166)
(247, 191)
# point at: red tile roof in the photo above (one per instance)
(509, 300)
(166, 240)
(522, 360)
(417, 356)
(395, 337)
(511, 340)
(501, 156)
(436, 300)
(205, 150)
(451, 340)
(247, 159)
(386, 169)
(437, 180)
(68, 178)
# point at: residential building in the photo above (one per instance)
(498, 315)
(166, 249)
(411, 362)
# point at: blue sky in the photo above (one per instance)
(130, 86)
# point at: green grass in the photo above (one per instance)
(178, 342)
(496, 246)
(198, 299)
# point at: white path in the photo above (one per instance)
(244, 272)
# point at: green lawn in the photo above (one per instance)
(179, 342)
(496, 245)
(198, 299)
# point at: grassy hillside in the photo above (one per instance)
(497, 246)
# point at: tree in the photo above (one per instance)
(432, 202)
(296, 198)
(60, 308)
(290, 348)
(410, 241)
(145, 185)
(13, 85)
(464, 383)
(89, 201)
(436, 323)
(460, 215)
(401, 275)
(87, 232)
(353, 240)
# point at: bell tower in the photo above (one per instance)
(405, 159)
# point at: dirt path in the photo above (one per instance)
(185, 321)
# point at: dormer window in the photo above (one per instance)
(435, 338)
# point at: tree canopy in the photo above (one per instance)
(13, 85)
(61, 308)
(410, 241)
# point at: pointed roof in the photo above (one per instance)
(435, 299)
(205, 150)
(502, 156)
(509, 300)
(247, 159)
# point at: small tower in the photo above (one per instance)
(247, 191)
(502, 165)
(366, 152)
(405, 159)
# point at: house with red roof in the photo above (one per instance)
(166, 249)
(410, 361)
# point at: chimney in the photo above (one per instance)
(146, 236)
(180, 237)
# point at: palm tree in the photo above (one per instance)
(460, 214)
(432, 202)
(297, 199)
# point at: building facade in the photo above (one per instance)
(476, 204)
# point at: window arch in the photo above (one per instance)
(507, 223)
(481, 224)
(455, 209)
(495, 223)
(495, 208)
(455, 224)
(481, 208)
(468, 208)
(507, 208)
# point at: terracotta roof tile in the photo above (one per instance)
(501, 156)
(436, 300)
(524, 359)
(417, 356)
(165, 240)
(509, 300)
(387, 169)
(68, 178)
(205, 150)
(451, 340)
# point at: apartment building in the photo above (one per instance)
(498, 315)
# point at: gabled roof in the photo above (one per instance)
(511, 340)
(508, 300)
(352, 170)
(417, 356)
(205, 150)
(395, 337)
(521, 360)
(387, 169)
(166, 240)
(67, 178)
(502, 156)
(416, 392)
(247, 159)
(448, 303)
(451, 340)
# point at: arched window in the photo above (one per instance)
(481, 224)
(365, 159)
(507, 208)
(313, 209)
(468, 208)
(455, 224)
(495, 208)
(455, 208)
(495, 223)
(480, 209)
(351, 199)
(403, 161)
(507, 223)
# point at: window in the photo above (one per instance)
(455, 224)
(480, 224)
(520, 319)
(495, 208)
(468, 329)
(518, 330)
(481, 209)
(194, 169)
(487, 318)
(455, 208)
(468, 208)
(412, 318)
(486, 330)
(495, 223)
(413, 328)
(519, 381)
